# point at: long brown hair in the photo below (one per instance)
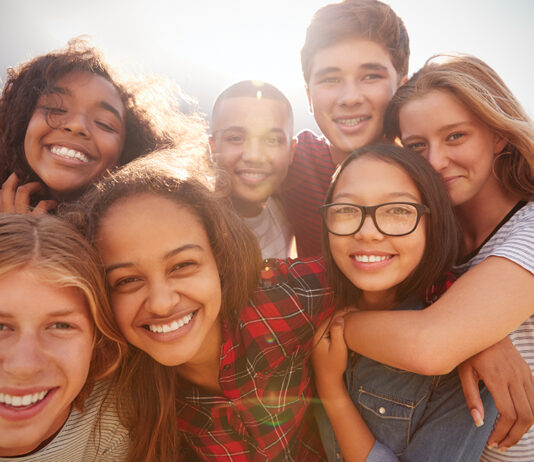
(148, 387)
(480, 89)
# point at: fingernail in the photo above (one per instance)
(339, 321)
(477, 418)
(492, 445)
(502, 449)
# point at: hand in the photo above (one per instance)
(329, 355)
(16, 199)
(509, 379)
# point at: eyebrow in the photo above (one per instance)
(393, 196)
(103, 104)
(65, 312)
(373, 66)
(168, 255)
(445, 128)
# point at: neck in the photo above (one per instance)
(479, 216)
(247, 209)
(337, 155)
(203, 369)
(377, 300)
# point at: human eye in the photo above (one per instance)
(329, 79)
(399, 210)
(274, 140)
(455, 136)
(54, 110)
(3, 327)
(183, 267)
(373, 76)
(417, 146)
(107, 127)
(61, 325)
(233, 137)
(125, 283)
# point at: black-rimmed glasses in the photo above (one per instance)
(390, 218)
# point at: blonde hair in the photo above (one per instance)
(60, 256)
(480, 89)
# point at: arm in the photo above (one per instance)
(479, 310)
(329, 358)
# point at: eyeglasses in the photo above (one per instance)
(391, 218)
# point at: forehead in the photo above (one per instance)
(434, 109)
(370, 181)
(352, 54)
(88, 86)
(29, 292)
(256, 114)
(145, 227)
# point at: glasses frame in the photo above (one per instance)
(371, 211)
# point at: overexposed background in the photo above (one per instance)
(205, 45)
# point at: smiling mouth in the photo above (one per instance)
(170, 327)
(371, 258)
(24, 401)
(66, 153)
(352, 122)
(252, 176)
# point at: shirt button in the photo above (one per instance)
(381, 410)
(338, 456)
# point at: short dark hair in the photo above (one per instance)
(366, 19)
(443, 236)
(253, 89)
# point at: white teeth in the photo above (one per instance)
(20, 401)
(370, 258)
(69, 153)
(253, 175)
(175, 325)
(351, 122)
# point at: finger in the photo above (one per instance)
(8, 193)
(337, 340)
(523, 413)
(507, 415)
(44, 207)
(23, 196)
(469, 380)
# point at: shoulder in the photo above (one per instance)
(307, 273)
(310, 144)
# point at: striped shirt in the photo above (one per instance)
(272, 230)
(91, 435)
(514, 240)
(262, 413)
(304, 191)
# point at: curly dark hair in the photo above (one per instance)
(152, 116)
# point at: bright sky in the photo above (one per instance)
(205, 45)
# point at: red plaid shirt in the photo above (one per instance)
(265, 373)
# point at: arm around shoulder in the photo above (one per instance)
(481, 308)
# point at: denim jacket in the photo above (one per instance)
(413, 417)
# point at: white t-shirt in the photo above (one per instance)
(86, 436)
(514, 241)
(272, 230)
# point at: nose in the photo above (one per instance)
(25, 357)
(163, 297)
(368, 231)
(252, 151)
(77, 124)
(437, 158)
(350, 94)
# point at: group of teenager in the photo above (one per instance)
(149, 310)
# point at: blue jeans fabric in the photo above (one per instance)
(420, 418)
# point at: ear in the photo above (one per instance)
(211, 148)
(292, 147)
(499, 143)
(310, 105)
